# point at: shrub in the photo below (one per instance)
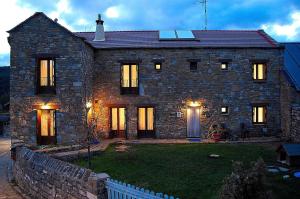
(246, 183)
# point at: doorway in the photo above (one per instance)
(118, 122)
(46, 131)
(193, 122)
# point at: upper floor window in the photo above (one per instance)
(224, 110)
(129, 79)
(46, 76)
(193, 66)
(259, 114)
(157, 66)
(259, 71)
(224, 66)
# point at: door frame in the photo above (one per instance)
(39, 137)
(195, 107)
(112, 132)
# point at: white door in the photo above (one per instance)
(193, 122)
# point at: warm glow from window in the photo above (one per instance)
(224, 66)
(118, 119)
(158, 66)
(122, 119)
(259, 71)
(224, 110)
(114, 119)
(47, 122)
(129, 75)
(146, 118)
(259, 114)
(47, 72)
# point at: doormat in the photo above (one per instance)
(194, 139)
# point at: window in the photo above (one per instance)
(146, 122)
(129, 79)
(259, 72)
(224, 110)
(193, 66)
(118, 122)
(46, 127)
(224, 66)
(157, 66)
(259, 114)
(46, 76)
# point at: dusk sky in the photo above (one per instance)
(279, 18)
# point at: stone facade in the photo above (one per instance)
(41, 36)
(170, 90)
(289, 101)
(40, 176)
(86, 74)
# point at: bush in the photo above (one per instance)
(246, 183)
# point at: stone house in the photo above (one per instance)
(290, 93)
(158, 84)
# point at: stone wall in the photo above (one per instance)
(170, 90)
(40, 36)
(41, 176)
(295, 123)
(289, 101)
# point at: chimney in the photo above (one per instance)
(99, 34)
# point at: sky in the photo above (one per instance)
(279, 18)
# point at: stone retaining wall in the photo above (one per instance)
(41, 176)
(295, 123)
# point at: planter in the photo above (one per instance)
(217, 137)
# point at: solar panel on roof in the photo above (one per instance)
(167, 34)
(185, 34)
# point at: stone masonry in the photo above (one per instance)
(41, 176)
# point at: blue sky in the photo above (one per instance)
(279, 18)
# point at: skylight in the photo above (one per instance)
(176, 35)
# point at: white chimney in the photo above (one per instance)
(99, 34)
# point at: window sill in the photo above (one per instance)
(259, 81)
(259, 124)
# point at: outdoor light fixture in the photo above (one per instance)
(45, 106)
(194, 104)
(88, 105)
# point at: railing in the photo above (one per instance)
(121, 190)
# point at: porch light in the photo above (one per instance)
(194, 104)
(45, 107)
(88, 105)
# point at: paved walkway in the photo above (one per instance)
(6, 191)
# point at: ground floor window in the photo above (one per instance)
(46, 131)
(146, 122)
(259, 114)
(118, 122)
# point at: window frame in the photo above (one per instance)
(146, 133)
(45, 89)
(255, 65)
(256, 106)
(129, 90)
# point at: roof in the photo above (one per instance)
(204, 38)
(292, 63)
(291, 149)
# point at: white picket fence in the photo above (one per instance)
(121, 190)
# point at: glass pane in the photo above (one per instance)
(254, 114)
(52, 122)
(185, 34)
(260, 114)
(114, 119)
(51, 75)
(224, 66)
(260, 71)
(125, 74)
(157, 66)
(142, 119)
(43, 73)
(134, 75)
(167, 34)
(150, 117)
(44, 122)
(122, 119)
(254, 71)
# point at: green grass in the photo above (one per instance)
(185, 171)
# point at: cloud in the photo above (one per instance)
(290, 31)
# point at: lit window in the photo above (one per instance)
(46, 127)
(193, 66)
(259, 71)
(224, 66)
(46, 76)
(259, 114)
(157, 66)
(129, 79)
(146, 122)
(224, 110)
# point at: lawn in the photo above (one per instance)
(185, 170)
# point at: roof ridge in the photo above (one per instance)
(172, 29)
